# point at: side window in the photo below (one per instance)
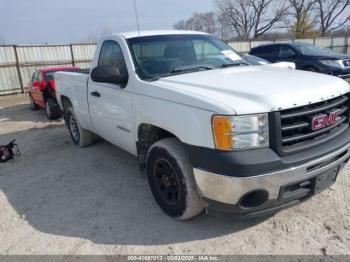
(272, 52)
(267, 52)
(39, 78)
(111, 54)
(34, 77)
(286, 52)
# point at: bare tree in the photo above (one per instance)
(303, 16)
(253, 18)
(224, 30)
(332, 14)
(205, 22)
(209, 22)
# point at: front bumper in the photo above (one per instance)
(225, 192)
(230, 190)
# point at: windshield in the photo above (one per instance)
(310, 50)
(160, 56)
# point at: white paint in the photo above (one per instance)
(184, 104)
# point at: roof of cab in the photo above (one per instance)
(134, 34)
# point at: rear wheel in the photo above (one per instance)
(170, 176)
(33, 106)
(51, 109)
(80, 136)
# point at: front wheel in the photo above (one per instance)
(170, 176)
(80, 136)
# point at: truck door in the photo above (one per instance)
(110, 104)
(36, 90)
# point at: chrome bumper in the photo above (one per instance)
(229, 190)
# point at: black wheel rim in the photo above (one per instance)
(166, 181)
(73, 127)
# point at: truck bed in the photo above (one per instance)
(84, 71)
(75, 85)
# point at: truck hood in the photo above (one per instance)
(257, 89)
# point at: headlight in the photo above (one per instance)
(335, 63)
(241, 132)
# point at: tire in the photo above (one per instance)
(80, 136)
(33, 106)
(51, 109)
(171, 179)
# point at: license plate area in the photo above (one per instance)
(312, 186)
(325, 180)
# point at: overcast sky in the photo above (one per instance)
(63, 21)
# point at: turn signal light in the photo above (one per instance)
(222, 127)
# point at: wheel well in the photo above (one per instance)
(147, 136)
(66, 103)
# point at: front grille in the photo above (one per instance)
(294, 130)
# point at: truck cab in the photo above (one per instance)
(211, 132)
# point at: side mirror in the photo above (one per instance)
(109, 74)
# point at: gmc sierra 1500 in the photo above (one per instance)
(211, 132)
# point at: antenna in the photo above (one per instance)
(137, 18)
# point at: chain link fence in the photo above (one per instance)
(18, 63)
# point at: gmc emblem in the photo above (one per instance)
(322, 121)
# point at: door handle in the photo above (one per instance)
(96, 94)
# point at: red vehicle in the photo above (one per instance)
(42, 93)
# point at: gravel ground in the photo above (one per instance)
(59, 199)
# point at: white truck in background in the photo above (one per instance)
(211, 132)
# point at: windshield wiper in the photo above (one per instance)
(157, 77)
(192, 68)
(182, 69)
(233, 64)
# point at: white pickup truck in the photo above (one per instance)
(211, 132)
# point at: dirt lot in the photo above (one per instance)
(58, 199)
